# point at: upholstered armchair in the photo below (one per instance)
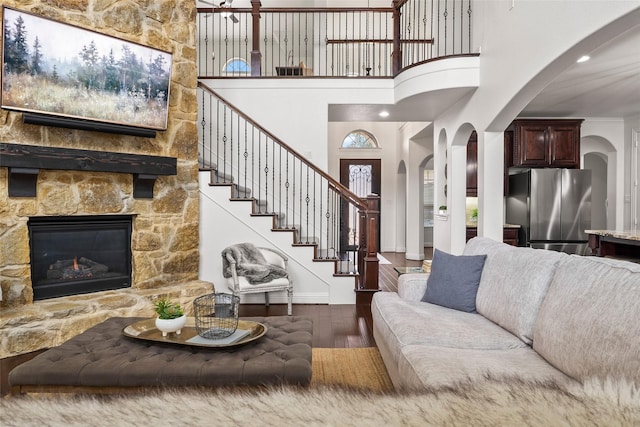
(249, 269)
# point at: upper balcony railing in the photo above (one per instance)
(330, 42)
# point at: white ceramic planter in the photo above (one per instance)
(171, 325)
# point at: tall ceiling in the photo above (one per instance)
(606, 86)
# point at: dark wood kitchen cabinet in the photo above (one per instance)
(472, 165)
(509, 234)
(472, 162)
(546, 143)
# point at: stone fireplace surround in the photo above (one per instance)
(164, 246)
(165, 258)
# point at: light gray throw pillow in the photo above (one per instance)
(454, 280)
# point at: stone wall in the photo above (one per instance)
(165, 228)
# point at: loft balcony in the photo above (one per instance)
(330, 42)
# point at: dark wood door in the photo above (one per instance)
(362, 177)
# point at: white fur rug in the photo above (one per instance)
(490, 404)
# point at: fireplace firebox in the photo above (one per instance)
(73, 255)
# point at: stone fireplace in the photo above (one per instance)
(164, 256)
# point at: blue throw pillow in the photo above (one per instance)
(454, 280)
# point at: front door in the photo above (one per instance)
(362, 177)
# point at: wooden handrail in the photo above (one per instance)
(374, 41)
(295, 9)
(336, 185)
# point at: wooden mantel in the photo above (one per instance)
(25, 161)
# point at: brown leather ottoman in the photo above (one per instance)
(103, 358)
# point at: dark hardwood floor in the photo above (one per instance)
(341, 326)
(334, 326)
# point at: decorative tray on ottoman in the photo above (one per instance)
(246, 332)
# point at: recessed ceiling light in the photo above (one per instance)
(583, 58)
(384, 114)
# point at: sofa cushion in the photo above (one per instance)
(454, 281)
(589, 323)
(400, 322)
(423, 366)
(513, 284)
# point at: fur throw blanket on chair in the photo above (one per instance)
(250, 263)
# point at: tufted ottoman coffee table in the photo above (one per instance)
(102, 359)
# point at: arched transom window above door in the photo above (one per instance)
(359, 139)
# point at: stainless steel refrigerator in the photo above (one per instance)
(553, 208)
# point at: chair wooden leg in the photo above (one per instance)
(266, 299)
(290, 301)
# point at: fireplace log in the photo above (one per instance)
(89, 268)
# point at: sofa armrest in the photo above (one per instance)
(412, 286)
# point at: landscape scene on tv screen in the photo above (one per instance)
(58, 69)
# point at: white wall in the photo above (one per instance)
(386, 136)
(313, 282)
(632, 174)
(418, 146)
(607, 137)
(524, 44)
(597, 164)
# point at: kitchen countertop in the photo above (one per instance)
(626, 235)
(475, 225)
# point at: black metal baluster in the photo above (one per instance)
(253, 169)
(273, 177)
(321, 216)
(328, 217)
(469, 49)
(246, 155)
(314, 212)
(336, 224)
(279, 210)
(259, 171)
(446, 22)
(224, 144)
(286, 185)
(300, 191)
(293, 197)
(266, 174)
(453, 26)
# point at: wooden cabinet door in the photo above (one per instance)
(564, 146)
(531, 147)
(472, 165)
(546, 143)
(508, 158)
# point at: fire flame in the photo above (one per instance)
(75, 264)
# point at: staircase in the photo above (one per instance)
(262, 191)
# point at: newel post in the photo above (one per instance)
(256, 55)
(369, 249)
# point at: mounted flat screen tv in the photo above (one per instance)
(56, 69)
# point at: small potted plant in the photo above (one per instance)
(171, 317)
(442, 210)
(474, 215)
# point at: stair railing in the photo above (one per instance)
(369, 42)
(281, 183)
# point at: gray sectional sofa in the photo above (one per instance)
(542, 316)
